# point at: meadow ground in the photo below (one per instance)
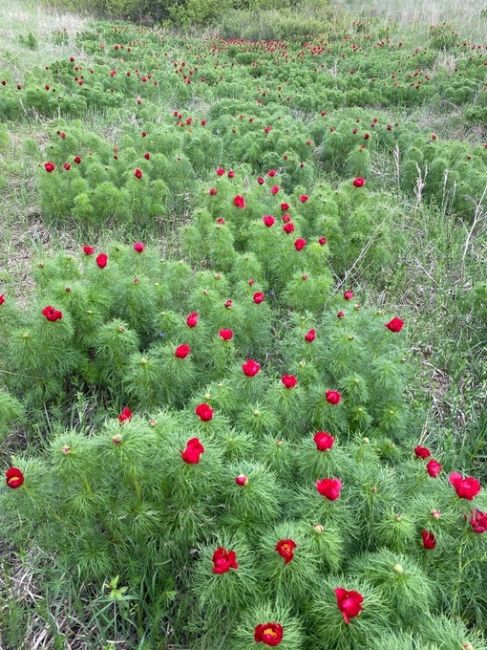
(418, 249)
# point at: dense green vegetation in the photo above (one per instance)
(269, 369)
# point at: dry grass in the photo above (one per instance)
(465, 16)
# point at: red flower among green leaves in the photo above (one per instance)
(466, 487)
(289, 381)
(324, 441)
(429, 540)
(226, 334)
(478, 521)
(192, 319)
(182, 351)
(333, 397)
(251, 367)
(268, 220)
(88, 250)
(359, 181)
(348, 295)
(395, 325)
(138, 173)
(49, 167)
(102, 260)
(224, 560)
(303, 198)
(258, 297)
(329, 488)
(270, 634)
(242, 480)
(422, 452)
(139, 247)
(52, 314)
(299, 244)
(286, 548)
(433, 467)
(239, 201)
(349, 603)
(192, 453)
(125, 415)
(204, 412)
(310, 336)
(14, 477)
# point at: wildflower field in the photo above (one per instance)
(243, 317)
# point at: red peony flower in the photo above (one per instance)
(102, 260)
(466, 488)
(147, 155)
(324, 441)
(275, 189)
(299, 244)
(220, 221)
(14, 477)
(429, 540)
(182, 351)
(322, 241)
(285, 548)
(348, 295)
(192, 319)
(310, 336)
(49, 167)
(289, 381)
(193, 451)
(139, 247)
(395, 325)
(268, 220)
(478, 521)
(284, 206)
(242, 480)
(239, 201)
(359, 182)
(349, 603)
(330, 488)
(212, 191)
(303, 198)
(88, 250)
(288, 228)
(220, 171)
(433, 468)
(333, 396)
(270, 634)
(2, 298)
(226, 334)
(67, 166)
(251, 367)
(271, 173)
(231, 173)
(286, 218)
(77, 160)
(258, 297)
(341, 314)
(52, 314)
(125, 415)
(224, 560)
(228, 304)
(422, 452)
(260, 180)
(138, 173)
(204, 412)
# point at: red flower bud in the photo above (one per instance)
(49, 167)
(422, 452)
(204, 412)
(242, 480)
(192, 319)
(330, 488)
(359, 182)
(239, 201)
(139, 247)
(275, 189)
(288, 228)
(226, 334)
(341, 314)
(323, 440)
(182, 351)
(429, 540)
(260, 180)
(268, 220)
(284, 207)
(433, 468)
(258, 297)
(77, 160)
(220, 171)
(303, 198)
(289, 381)
(138, 173)
(299, 244)
(348, 295)
(102, 260)
(322, 241)
(310, 336)
(333, 397)
(88, 250)
(251, 367)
